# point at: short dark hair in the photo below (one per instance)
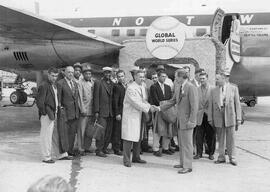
(53, 70)
(161, 71)
(120, 71)
(154, 73)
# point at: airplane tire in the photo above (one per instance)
(18, 97)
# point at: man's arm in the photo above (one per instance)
(136, 100)
(96, 98)
(237, 106)
(170, 103)
(194, 103)
(116, 100)
(81, 105)
(41, 95)
(210, 108)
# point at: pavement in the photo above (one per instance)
(20, 161)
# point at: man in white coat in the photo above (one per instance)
(134, 105)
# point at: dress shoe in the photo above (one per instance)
(127, 164)
(234, 163)
(88, 151)
(48, 161)
(211, 157)
(197, 157)
(167, 152)
(177, 148)
(172, 150)
(107, 151)
(71, 154)
(219, 161)
(118, 153)
(67, 158)
(157, 153)
(138, 161)
(82, 153)
(184, 170)
(101, 154)
(178, 166)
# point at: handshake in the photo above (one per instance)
(154, 108)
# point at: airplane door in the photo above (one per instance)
(217, 23)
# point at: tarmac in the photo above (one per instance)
(20, 161)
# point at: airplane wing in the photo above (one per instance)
(19, 24)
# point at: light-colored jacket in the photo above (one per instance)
(232, 107)
(187, 105)
(203, 103)
(86, 90)
(134, 104)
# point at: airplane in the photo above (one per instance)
(29, 42)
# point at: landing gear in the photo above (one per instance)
(18, 97)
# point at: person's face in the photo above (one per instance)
(87, 75)
(107, 74)
(139, 78)
(121, 77)
(52, 77)
(69, 73)
(77, 72)
(197, 76)
(162, 77)
(220, 80)
(154, 78)
(178, 79)
(234, 17)
(114, 71)
(203, 79)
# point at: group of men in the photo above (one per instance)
(123, 111)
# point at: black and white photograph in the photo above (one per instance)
(128, 96)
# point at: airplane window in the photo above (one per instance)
(92, 31)
(143, 32)
(200, 32)
(131, 32)
(115, 32)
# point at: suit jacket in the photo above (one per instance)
(46, 100)
(86, 90)
(68, 100)
(203, 103)
(232, 107)
(157, 95)
(118, 98)
(103, 98)
(187, 105)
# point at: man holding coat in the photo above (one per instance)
(135, 105)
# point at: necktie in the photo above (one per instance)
(72, 87)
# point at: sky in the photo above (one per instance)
(104, 8)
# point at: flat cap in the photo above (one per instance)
(77, 65)
(86, 68)
(106, 69)
(134, 68)
(160, 68)
(199, 70)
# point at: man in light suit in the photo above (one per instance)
(69, 99)
(186, 99)
(204, 129)
(134, 105)
(86, 88)
(224, 113)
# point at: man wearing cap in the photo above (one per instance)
(86, 88)
(204, 130)
(103, 109)
(186, 100)
(196, 80)
(224, 113)
(69, 99)
(77, 72)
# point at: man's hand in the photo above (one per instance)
(118, 117)
(238, 123)
(96, 116)
(190, 125)
(154, 108)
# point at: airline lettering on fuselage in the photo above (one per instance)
(139, 21)
(116, 21)
(189, 18)
(246, 18)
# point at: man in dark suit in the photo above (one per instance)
(103, 110)
(118, 99)
(69, 99)
(161, 92)
(47, 103)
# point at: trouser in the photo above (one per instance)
(226, 134)
(127, 145)
(84, 142)
(206, 132)
(49, 139)
(165, 142)
(107, 123)
(144, 142)
(194, 135)
(116, 135)
(185, 147)
(72, 126)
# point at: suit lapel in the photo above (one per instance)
(217, 96)
(52, 92)
(228, 92)
(106, 86)
(68, 87)
(160, 90)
